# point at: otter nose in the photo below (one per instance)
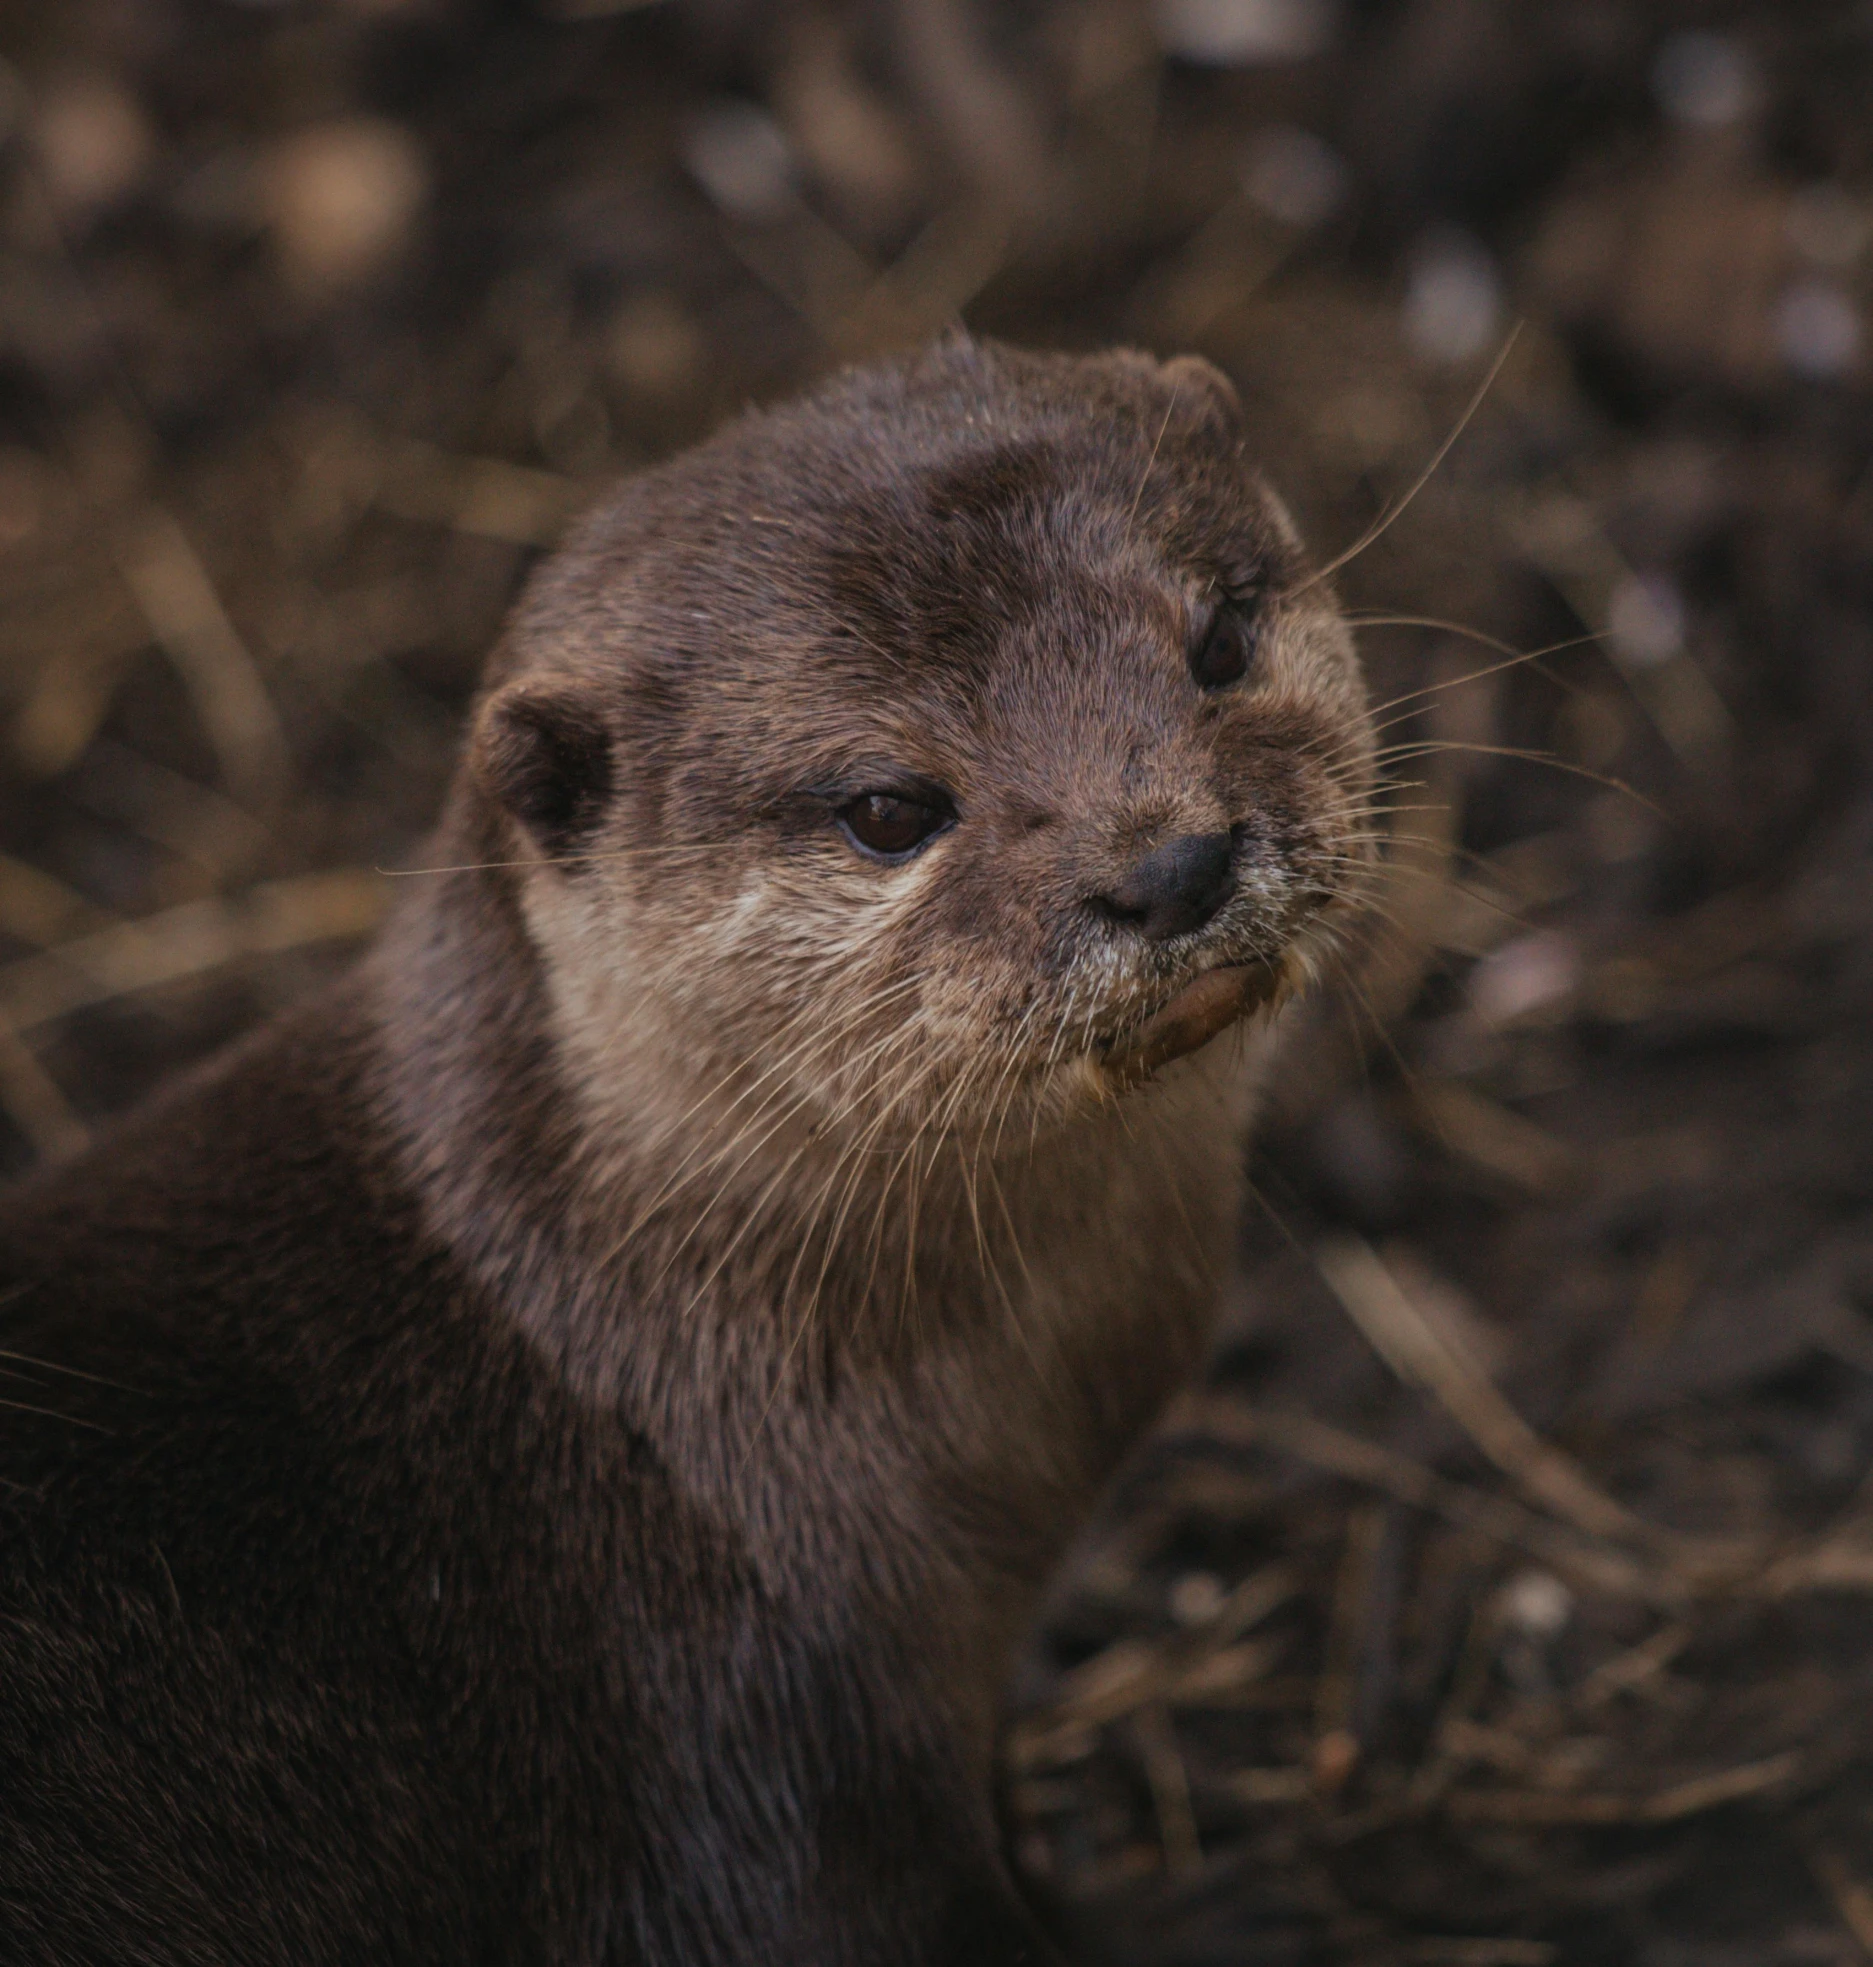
(1174, 890)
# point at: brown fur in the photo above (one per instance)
(770, 1195)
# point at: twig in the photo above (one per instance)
(1852, 1899)
(1494, 1139)
(40, 910)
(1426, 1358)
(931, 281)
(1335, 1696)
(70, 699)
(186, 616)
(1686, 1799)
(1188, 1670)
(1456, 1952)
(1593, 1565)
(488, 497)
(1839, 1560)
(1630, 1670)
(1264, 1788)
(188, 941)
(1170, 1790)
(34, 1101)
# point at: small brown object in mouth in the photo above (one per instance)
(1193, 1017)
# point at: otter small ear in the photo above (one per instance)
(1204, 387)
(542, 750)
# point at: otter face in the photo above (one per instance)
(968, 738)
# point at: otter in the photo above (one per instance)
(547, 1453)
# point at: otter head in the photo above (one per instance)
(966, 739)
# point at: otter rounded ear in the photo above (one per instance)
(542, 750)
(1202, 385)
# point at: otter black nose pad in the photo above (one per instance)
(1174, 890)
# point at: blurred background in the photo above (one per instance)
(1502, 1598)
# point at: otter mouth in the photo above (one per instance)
(1207, 1005)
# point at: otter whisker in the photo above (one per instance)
(1429, 747)
(1397, 509)
(806, 1317)
(753, 1209)
(1144, 477)
(52, 1414)
(1054, 1054)
(938, 1118)
(1513, 658)
(70, 1372)
(555, 860)
(884, 1195)
(751, 1149)
(979, 1173)
(1378, 878)
(809, 1050)
(851, 1163)
(1002, 1094)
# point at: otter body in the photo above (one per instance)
(546, 1454)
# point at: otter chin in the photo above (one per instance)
(1209, 1004)
(548, 1452)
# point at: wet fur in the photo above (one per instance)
(546, 1454)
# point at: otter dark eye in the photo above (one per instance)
(1227, 648)
(881, 823)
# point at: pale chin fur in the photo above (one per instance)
(651, 1079)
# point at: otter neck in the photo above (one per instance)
(939, 1335)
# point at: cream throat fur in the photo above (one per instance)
(980, 1272)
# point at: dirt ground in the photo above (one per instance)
(1502, 1597)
